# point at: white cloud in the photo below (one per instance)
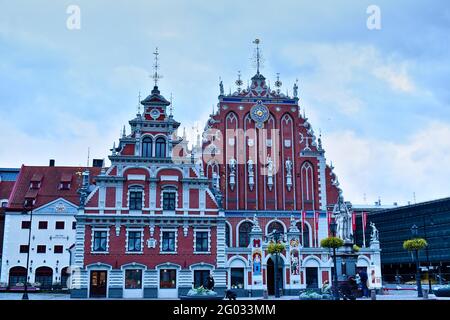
(397, 78)
(393, 171)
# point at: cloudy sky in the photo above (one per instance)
(381, 98)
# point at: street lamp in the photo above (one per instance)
(333, 227)
(25, 293)
(426, 249)
(414, 232)
(275, 235)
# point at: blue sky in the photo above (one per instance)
(380, 97)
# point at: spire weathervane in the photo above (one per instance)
(171, 105)
(239, 81)
(139, 104)
(278, 83)
(156, 76)
(258, 55)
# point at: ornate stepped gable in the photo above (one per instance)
(268, 156)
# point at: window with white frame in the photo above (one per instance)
(201, 240)
(168, 241)
(134, 241)
(169, 199)
(99, 240)
(135, 198)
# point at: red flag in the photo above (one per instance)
(353, 221)
(316, 220)
(303, 226)
(364, 220)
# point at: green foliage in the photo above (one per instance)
(415, 244)
(201, 291)
(332, 242)
(275, 247)
(356, 248)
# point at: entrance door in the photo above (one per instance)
(98, 284)
(271, 275)
(312, 277)
(133, 287)
(168, 283)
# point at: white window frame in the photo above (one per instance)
(135, 188)
(141, 230)
(95, 229)
(175, 230)
(167, 190)
(198, 229)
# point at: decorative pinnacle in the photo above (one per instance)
(258, 55)
(139, 104)
(278, 83)
(156, 76)
(239, 82)
(171, 105)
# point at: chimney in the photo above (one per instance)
(51, 163)
(97, 163)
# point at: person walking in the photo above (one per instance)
(363, 276)
(210, 283)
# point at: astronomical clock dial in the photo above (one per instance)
(155, 114)
(259, 113)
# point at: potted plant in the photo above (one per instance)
(415, 244)
(332, 242)
(201, 293)
(274, 248)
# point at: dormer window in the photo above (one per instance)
(66, 179)
(160, 148)
(35, 182)
(35, 185)
(147, 147)
(29, 203)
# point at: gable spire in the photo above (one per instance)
(156, 76)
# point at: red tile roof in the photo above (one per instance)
(49, 189)
(6, 188)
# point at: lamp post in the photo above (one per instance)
(333, 226)
(426, 249)
(25, 293)
(275, 235)
(414, 232)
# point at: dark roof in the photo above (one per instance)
(49, 189)
(155, 98)
(414, 206)
(5, 189)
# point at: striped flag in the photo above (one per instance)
(364, 220)
(316, 225)
(329, 214)
(354, 221)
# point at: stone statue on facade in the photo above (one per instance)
(232, 163)
(374, 237)
(269, 166)
(221, 88)
(343, 218)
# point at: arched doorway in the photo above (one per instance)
(17, 275)
(44, 276)
(271, 274)
(65, 277)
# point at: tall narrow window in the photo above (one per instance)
(100, 239)
(169, 200)
(147, 147)
(168, 241)
(160, 148)
(134, 241)
(275, 226)
(227, 235)
(244, 234)
(201, 241)
(135, 200)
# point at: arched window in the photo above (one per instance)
(160, 148)
(227, 235)
(275, 226)
(305, 234)
(244, 234)
(147, 147)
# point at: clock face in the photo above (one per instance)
(259, 113)
(155, 114)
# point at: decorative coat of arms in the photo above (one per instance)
(259, 113)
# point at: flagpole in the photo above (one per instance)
(364, 229)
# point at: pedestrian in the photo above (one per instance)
(364, 278)
(210, 283)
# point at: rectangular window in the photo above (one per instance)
(29, 203)
(135, 200)
(64, 186)
(133, 279)
(58, 249)
(134, 241)
(168, 278)
(41, 249)
(59, 225)
(169, 201)
(200, 278)
(201, 241)
(35, 185)
(100, 239)
(168, 241)
(26, 224)
(74, 225)
(237, 278)
(43, 224)
(23, 248)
